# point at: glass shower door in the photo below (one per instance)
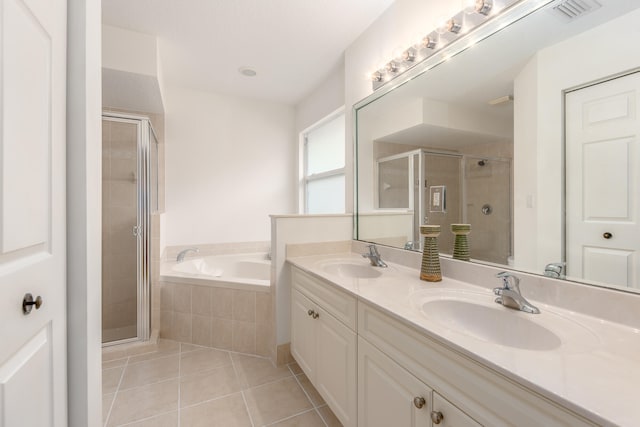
(119, 217)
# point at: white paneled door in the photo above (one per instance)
(603, 167)
(32, 213)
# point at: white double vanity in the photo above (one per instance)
(384, 348)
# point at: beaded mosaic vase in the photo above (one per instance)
(461, 243)
(430, 267)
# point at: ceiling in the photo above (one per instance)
(292, 44)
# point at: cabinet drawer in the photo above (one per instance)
(489, 397)
(336, 302)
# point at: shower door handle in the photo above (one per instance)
(136, 231)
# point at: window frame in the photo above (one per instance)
(305, 179)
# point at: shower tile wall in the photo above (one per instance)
(489, 185)
(119, 216)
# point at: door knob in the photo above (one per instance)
(28, 302)
(607, 235)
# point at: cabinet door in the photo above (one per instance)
(386, 392)
(303, 336)
(451, 416)
(336, 373)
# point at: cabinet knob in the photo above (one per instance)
(419, 402)
(436, 417)
(607, 235)
(310, 312)
(313, 314)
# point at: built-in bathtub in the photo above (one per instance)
(220, 301)
(250, 271)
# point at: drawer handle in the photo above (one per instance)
(419, 402)
(436, 417)
(313, 314)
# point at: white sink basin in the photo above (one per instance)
(477, 315)
(352, 270)
(493, 324)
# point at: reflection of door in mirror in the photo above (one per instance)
(603, 229)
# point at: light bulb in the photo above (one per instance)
(391, 67)
(409, 55)
(483, 7)
(429, 42)
(454, 26)
(376, 76)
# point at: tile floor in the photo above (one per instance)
(172, 384)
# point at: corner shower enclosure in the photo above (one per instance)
(129, 196)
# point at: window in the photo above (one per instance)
(323, 178)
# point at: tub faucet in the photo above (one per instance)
(184, 252)
(509, 294)
(374, 257)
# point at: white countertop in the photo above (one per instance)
(595, 372)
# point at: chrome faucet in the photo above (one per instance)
(412, 246)
(509, 294)
(374, 257)
(184, 252)
(555, 270)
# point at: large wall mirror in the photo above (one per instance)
(530, 136)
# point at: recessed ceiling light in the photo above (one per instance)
(247, 71)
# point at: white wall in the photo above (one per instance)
(538, 144)
(84, 202)
(230, 163)
(323, 100)
(130, 68)
(129, 51)
(298, 229)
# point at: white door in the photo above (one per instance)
(603, 166)
(32, 212)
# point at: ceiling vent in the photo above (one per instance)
(570, 10)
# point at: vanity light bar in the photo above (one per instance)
(454, 28)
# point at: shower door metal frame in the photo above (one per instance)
(142, 230)
(416, 198)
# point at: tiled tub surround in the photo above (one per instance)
(231, 315)
(171, 384)
(595, 380)
(229, 319)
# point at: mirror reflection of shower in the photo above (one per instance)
(447, 188)
(129, 196)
